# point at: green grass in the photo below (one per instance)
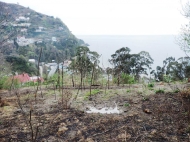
(176, 91)
(126, 104)
(150, 85)
(159, 91)
(128, 91)
(93, 92)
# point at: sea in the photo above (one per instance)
(159, 46)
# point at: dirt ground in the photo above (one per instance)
(145, 116)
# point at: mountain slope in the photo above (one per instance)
(32, 31)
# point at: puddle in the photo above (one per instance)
(104, 110)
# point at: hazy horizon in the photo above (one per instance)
(159, 46)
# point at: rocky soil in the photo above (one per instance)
(145, 116)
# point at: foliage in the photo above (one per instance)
(19, 64)
(151, 85)
(9, 83)
(127, 79)
(167, 78)
(127, 63)
(173, 70)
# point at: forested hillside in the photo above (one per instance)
(24, 31)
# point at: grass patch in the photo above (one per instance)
(151, 89)
(159, 91)
(151, 85)
(176, 91)
(128, 91)
(126, 105)
(93, 92)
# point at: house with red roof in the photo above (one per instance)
(22, 78)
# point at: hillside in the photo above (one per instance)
(25, 31)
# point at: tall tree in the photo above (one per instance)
(127, 63)
(84, 61)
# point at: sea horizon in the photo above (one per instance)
(159, 46)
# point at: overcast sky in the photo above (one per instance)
(113, 17)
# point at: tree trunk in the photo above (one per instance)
(118, 80)
(73, 81)
(92, 78)
(108, 82)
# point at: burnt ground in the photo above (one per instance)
(156, 117)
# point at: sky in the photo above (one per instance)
(113, 17)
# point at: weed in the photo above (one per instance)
(151, 85)
(128, 91)
(151, 89)
(139, 92)
(159, 91)
(93, 92)
(126, 104)
(145, 99)
(176, 91)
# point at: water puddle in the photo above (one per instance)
(104, 110)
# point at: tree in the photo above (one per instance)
(127, 63)
(140, 63)
(85, 60)
(175, 69)
(121, 62)
(20, 65)
(184, 38)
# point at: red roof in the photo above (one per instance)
(22, 77)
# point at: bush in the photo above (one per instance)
(167, 79)
(127, 79)
(9, 82)
(159, 91)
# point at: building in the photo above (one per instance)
(54, 39)
(32, 60)
(22, 41)
(36, 78)
(22, 78)
(22, 19)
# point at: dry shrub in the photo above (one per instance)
(3, 103)
(67, 95)
(185, 96)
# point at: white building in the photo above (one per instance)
(22, 19)
(22, 41)
(32, 60)
(54, 39)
